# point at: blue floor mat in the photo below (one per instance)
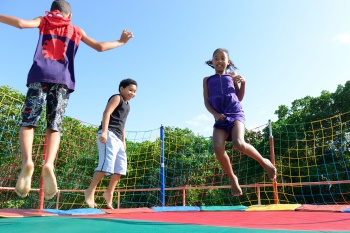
(82, 211)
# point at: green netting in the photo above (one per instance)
(312, 161)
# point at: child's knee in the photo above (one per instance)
(239, 145)
(218, 149)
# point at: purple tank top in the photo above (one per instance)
(54, 56)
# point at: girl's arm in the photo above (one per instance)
(240, 89)
(239, 83)
(112, 104)
(20, 23)
(217, 116)
(104, 46)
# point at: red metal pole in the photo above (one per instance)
(41, 192)
(273, 161)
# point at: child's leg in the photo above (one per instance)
(57, 101)
(90, 192)
(24, 180)
(50, 184)
(239, 143)
(31, 111)
(115, 147)
(219, 138)
(105, 165)
(108, 195)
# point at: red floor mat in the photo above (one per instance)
(16, 213)
(274, 220)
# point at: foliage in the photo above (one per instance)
(310, 108)
(313, 133)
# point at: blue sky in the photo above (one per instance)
(286, 50)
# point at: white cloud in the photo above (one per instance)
(343, 38)
(203, 117)
(193, 123)
(199, 120)
(201, 124)
(262, 113)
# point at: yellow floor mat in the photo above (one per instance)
(272, 207)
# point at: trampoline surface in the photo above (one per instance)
(169, 222)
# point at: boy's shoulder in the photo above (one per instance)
(114, 97)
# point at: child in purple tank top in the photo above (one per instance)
(50, 80)
(223, 93)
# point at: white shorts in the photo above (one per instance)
(112, 156)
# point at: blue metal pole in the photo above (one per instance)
(162, 174)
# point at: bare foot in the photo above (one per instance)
(270, 169)
(24, 181)
(90, 198)
(50, 184)
(235, 188)
(109, 198)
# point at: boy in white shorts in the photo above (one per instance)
(111, 143)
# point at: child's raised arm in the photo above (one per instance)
(239, 83)
(104, 46)
(20, 23)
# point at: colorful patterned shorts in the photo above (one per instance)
(55, 96)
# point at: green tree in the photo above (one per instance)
(312, 134)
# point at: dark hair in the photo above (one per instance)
(126, 82)
(62, 6)
(230, 66)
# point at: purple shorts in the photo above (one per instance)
(227, 125)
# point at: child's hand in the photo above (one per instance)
(103, 137)
(126, 36)
(238, 79)
(232, 73)
(219, 117)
